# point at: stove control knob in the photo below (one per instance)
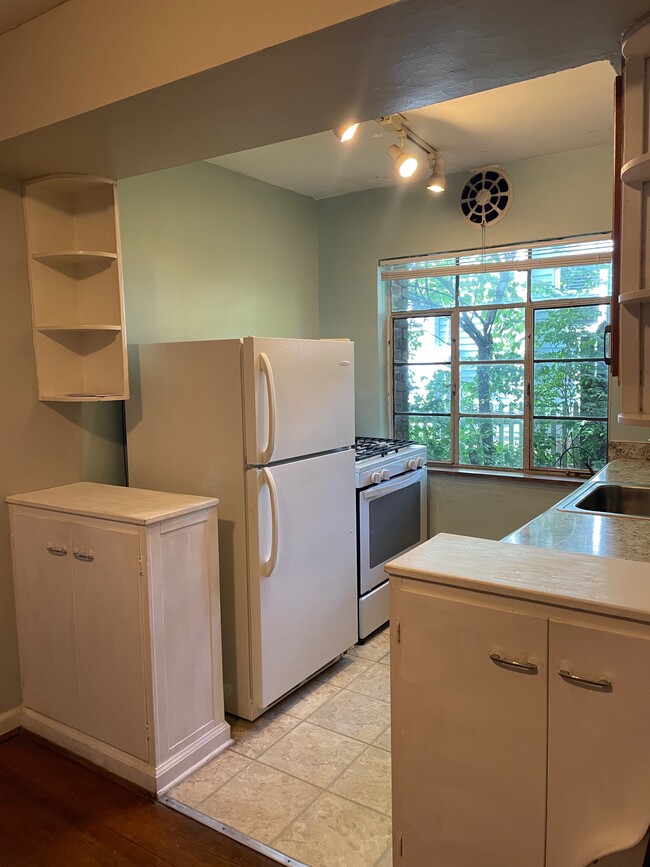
(385, 475)
(420, 463)
(412, 464)
(375, 478)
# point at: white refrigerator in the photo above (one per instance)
(267, 426)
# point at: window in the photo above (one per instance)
(497, 355)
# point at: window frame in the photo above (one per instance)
(528, 361)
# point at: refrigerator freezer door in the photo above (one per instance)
(298, 397)
(302, 570)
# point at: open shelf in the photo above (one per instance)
(79, 397)
(635, 418)
(637, 297)
(74, 257)
(69, 184)
(636, 171)
(76, 288)
(45, 328)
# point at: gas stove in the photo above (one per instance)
(391, 517)
(379, 459)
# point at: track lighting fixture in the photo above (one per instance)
(437, 181)
(345, 132)
(406, 164)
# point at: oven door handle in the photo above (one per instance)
(402, 481)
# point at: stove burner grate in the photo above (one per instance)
(371, 447)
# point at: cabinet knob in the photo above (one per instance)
(85, 558)
(527, 667)
(58, 552)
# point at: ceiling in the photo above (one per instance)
(560, 112)
(410, 54)
(13, 13)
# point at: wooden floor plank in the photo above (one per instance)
(60, 808)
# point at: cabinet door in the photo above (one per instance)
(599, 749)
(108, 611)
(43, 581)
(469, 735)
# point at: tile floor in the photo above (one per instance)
(311, 778)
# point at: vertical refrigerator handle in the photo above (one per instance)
(266, 368)
(269, 565)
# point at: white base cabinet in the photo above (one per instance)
(117, 596)
(519, 723)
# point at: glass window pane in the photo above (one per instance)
(422, 339)
(492, 334)
(492, 388)
(570, 332)
(492, 442)
(502, 287)
(422, 293)
(570, 444)
(571, 388)
(422, 388)
(572, 281)
(434, 433)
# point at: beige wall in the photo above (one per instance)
(40, 443)
(85, 54)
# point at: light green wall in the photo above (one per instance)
(557, 195)
(210, 253)
(554, 196)
(206, 253)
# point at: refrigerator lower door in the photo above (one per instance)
(298, 397)
(302, 570)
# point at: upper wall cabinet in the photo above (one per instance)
(76, 287)
(634, 239)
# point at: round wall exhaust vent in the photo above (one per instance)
(486, 196)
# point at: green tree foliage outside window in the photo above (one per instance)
(497, 382)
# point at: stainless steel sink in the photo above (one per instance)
(607, 498)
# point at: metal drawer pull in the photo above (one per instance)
(85, 558)
(604, 685)
(528, 667)
(58, 552)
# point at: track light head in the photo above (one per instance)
(345, 132)
(437, 182)
(406, 164)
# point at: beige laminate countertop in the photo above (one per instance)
(584, 533)
(113, 502)
(600, 585)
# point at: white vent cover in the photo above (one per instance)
(486, 196)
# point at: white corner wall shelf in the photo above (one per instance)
(76, 288)
(634, 299)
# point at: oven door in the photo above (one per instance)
(392, 519)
